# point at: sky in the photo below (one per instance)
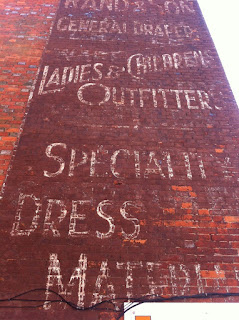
(222, 18)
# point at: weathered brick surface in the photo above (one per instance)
(125, 178)
(24, 31)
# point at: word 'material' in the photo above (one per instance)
(173, 279)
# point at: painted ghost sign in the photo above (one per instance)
(119, 168)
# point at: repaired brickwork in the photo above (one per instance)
(124, 181)
(24, 31)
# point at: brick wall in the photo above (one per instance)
(125, 177)
(25, 27)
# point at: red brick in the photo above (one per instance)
(212, 274)
(176, 163)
